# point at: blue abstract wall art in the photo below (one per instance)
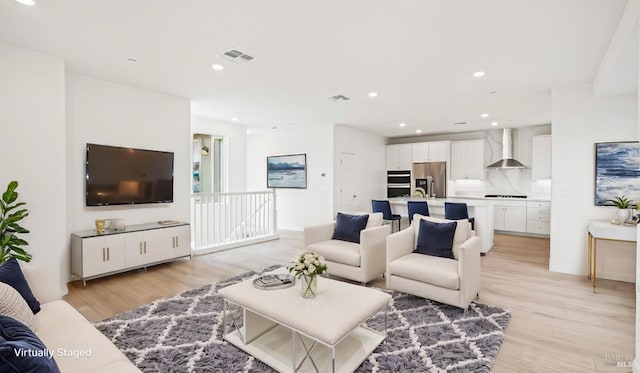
(617, 171)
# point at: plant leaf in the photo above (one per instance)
(9, 208)
(10, 195)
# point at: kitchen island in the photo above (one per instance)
(481, 210)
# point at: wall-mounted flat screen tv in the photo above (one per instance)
(126, 176)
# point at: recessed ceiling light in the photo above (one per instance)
(217, 67)
(27, 2)
(494, 123)
(248, 132)
(373, 94)
(479, 74)
(402, 124)
(484, 115)
(234, 119)
(418, 131)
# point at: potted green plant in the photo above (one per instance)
(10, 216)
(623, 203)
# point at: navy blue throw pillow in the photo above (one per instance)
(11, 274)
(348, 227)
(436, 239)
(21, 351)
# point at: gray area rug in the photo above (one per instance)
(183, 334)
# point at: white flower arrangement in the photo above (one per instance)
(308, 264)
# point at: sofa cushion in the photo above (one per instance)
(338, 251)
(22, 351)
(348, 227)
(436, 238)
(77, 344)
(10, 273)
(13, 305)
(429, 269)
(463, 231)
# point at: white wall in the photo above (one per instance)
(107, 113)
(296, 208)
(579, 121)
(32, 122)
(371, 174)
(235, 143)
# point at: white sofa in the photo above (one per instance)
(359, 262)
(451, 281)
(68, 335)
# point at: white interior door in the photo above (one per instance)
(348, 182)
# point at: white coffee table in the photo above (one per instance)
(276, 323)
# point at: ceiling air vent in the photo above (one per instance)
(339, 98)
(236, 55)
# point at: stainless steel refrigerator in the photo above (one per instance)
(431, 178)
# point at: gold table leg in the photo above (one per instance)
(595, 268)
(589, 240)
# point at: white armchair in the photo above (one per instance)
(361, 262)
(451, 281)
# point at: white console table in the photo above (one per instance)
(95, 255)
(604, 230)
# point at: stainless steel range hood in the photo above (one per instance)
(507, 160)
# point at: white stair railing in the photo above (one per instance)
(225, 220)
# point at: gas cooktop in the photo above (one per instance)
(504, 196)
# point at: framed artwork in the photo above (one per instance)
(617, 171)
(287, 171)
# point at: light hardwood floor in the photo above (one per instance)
(558, 324)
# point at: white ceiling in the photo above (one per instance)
(418, 54)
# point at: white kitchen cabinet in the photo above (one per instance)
(399, 157)
(430, 151)
(467, 160)
(541, 157)
(539, 217)
(510, 216)
(138, 246)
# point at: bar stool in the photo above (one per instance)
(417, 207)
(457, 211)
(384, 207)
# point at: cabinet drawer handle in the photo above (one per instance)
(103, 254)
(145, 247)
(177, 243)
(107, 254)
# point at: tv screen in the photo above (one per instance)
(124, 176)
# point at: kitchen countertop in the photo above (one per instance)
(440, 201)
(532, 198)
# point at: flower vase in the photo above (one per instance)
(309, 286)
(623, 215)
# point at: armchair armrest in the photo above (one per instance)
(400, 244)
(469, 268)
(318, 233)
(372, 249)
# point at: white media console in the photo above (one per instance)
(95, 255)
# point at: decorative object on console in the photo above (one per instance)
(154, 334)
(117, 224)
(287, 171)
(10, 216)
(100, 226)
(623, 204)
(307, 267)
(617, 171)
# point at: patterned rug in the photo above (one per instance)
(183, 334)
